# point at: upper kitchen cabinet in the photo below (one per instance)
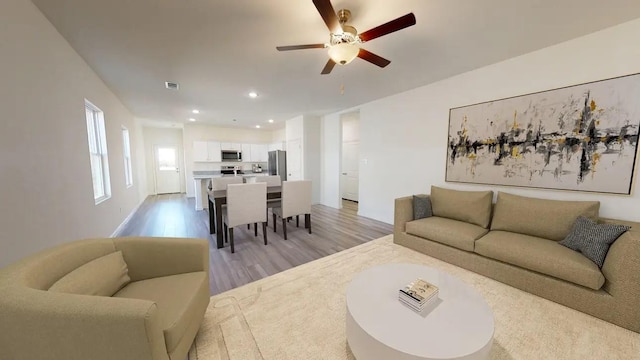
(247, 156)
(259, 152)
(231, 146)
(206, 151)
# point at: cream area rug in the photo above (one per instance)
(300, 314)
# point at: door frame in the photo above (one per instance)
(343, 183)
(344, 117)
(179, 162)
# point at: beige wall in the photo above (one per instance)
(154, 137)
(45, 178)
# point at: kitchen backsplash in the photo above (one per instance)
(217, 166)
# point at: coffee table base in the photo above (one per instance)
(365, 347)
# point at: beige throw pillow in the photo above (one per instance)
(549, 219)
(103, 276)
(469, 206)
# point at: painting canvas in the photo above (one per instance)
(582, 137)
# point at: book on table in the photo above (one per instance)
(418, 294)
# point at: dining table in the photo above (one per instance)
(217, 198)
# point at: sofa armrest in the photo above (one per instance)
(38, 324)
(150, 257)
(403, 213)
(621, 267)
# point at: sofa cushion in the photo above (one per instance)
(421, 207)
(181, 299)
(549, 219)
(470, 206)
(592, 239)
(103, 276)
(458, 234)
(540, 255)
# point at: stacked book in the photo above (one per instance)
(418, 294)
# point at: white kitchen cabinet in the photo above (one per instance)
(231, 146)
(247, 156)
(200, 151)
(206, 151)
(213, 148)
(259, 152)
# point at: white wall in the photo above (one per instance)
(311, 155)
(45, 174)
(201, 132)
(279, 135)
(350, 126)
(154, 137)
(409, 130)
(331, 143)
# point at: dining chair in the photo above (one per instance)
(246, 204)
(220, 183)
(296, 200)
(271, 180)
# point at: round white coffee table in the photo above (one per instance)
(458, 326)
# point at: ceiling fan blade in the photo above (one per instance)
(300, 47)
(387, 28)
(373, 58)
(327, 68)
(328, 15)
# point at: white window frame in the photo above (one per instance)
(98, 156)
(126, 153)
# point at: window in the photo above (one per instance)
(128, 175)
(98, 152)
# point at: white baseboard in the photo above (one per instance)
(126, 220)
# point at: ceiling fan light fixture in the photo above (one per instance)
(343, 53)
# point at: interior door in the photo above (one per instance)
(167, 170)
(294, 160)
(350, 170)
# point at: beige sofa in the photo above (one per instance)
(57, 304)
(515, 242)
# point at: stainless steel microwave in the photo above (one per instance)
(231, 155)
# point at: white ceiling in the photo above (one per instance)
(218, 51)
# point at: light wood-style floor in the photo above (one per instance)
(333, 231)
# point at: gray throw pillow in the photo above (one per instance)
(421, 207)
(592, 239)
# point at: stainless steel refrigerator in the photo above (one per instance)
(278, 163)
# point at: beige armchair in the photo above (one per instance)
(103, 299)
(296, 200)
(246, 204)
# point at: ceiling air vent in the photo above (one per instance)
(171, 85)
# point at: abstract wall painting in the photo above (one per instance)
(582, 137)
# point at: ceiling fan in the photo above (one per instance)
(344, 40)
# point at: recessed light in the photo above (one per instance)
(196, 111)
(192, 119)
(271, 121)
(257, 126)
(253, 94)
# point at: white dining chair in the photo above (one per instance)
(295, 201)
(220, 183)
(270, 180)
(246, 204)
